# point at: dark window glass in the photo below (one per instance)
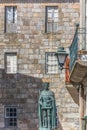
(51, 19)
(10, 19)
(10, 116)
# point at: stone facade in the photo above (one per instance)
(31, 43)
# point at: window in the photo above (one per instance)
(11, 63)
(51, 63)
(51, 19)
(10, 19)
(10, 116)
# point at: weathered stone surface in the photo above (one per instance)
(31, 42)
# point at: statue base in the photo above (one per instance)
(44, 128)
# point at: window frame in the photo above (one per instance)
(5, 58)
(6, 118)
(46, 67)
(46, 20)
(5, 21)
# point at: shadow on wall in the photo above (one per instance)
(39, 1)
(22, 91)
(60, 126)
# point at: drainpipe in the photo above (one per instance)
(83, 23)
(81, 106)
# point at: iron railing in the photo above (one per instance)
(74, 49)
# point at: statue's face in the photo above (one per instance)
(46, 86)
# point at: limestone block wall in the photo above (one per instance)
(31, 43)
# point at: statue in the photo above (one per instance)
(47, 109)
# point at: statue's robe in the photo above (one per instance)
(53, 120)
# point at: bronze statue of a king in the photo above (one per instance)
(47, 109)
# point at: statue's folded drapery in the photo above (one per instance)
(47, 109)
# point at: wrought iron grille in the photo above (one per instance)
(74, 48)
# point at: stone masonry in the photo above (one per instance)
(31, 43)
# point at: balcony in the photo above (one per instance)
(77, 72)
(78, 62)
